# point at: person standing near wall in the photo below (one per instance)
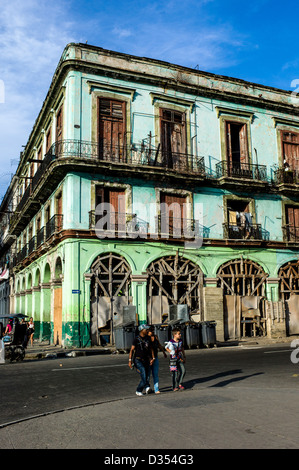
(30, 330)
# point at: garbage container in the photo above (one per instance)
(208, 333)
(124, 336)
(162, 332)
(192, 335)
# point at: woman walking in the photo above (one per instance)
(30, 330)
(156, 346)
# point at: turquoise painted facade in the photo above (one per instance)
(53, 279)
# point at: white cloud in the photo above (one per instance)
(122, 32)
(32, 37)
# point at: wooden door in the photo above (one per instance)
(173, 214)
(290, 149)
(57, 315)
(237, 145)
(112, 129)
(173, 138)
(118, 206)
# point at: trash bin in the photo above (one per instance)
(162, 332)
(208, 333)
(124, 336)
(192, 335)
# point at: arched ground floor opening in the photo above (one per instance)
(243, 283)
(78, 292)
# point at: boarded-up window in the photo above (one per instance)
(111, 128)
(173, 138)
(290, 149)
(237, 145)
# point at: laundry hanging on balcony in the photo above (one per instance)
(4, 274)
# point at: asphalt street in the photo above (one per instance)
(235, 398)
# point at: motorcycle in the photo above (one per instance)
(14, 342)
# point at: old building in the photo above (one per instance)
(139, 136)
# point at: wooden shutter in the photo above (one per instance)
(59, 124)
(112, 128)
(290, 148)
(173, 138)
(117, 200)
(177, 219)
(229, 144)
(293, 222)
(39, 154)
(243, 144)
(236, 144)
(49, 140)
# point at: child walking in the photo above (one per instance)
(177, 359)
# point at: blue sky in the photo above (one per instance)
(255, 41)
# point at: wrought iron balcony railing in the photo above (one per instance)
(241, 170)
(53, 225)
(290, 233)
(40, 237)
(118, 222)
(283, 175)
(134, 154)
(23, 253)
(128, 225)
(176, 227)
(242, 232)
(31, 245)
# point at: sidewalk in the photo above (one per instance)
(50, 351)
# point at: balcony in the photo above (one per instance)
(175, 227)
(241, 232)
(241, 171)
(89, 156)
(43, 165)
(134, 154)
(40, 237)
(290, 233)
(31, 245)
(284, 176)
(121, 224)
(130, 226)
(54, 225)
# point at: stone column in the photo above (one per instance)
(139, 283)
(213, 306)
